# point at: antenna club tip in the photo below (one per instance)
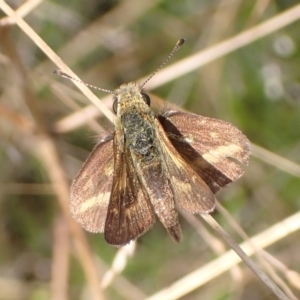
(63, 74)
(59, 72)
(180, 42)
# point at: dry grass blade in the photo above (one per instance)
(60, 264)
(118, 265)
(223, 263)
(55, 59)
(234, 43)
(238, 250)
(22, 11)
(105, 29)
(276, 160)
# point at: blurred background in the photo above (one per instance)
(48, 128)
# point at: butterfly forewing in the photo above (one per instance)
(129, 213)
(90, 190)
(191, 192)
(215, 149)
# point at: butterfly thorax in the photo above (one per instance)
(138, 133)
(135, 121)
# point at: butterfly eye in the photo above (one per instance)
(115, 105)
(146, 98)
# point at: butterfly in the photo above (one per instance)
(153, 164)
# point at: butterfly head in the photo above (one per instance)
(129, 97)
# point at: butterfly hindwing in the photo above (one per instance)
(155, 178)
(90, 190)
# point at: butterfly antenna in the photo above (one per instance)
(65, 75)
(175, 49)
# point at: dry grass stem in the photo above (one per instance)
(276, 160)
(234, 43)
(239, 251)
(55, 59)
(22, 11)
(60, 262)
(118, 264)
(229, 259)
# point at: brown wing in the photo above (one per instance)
(90, 191)
(191, 192)
(129, 213)
(155, 178)
(215, 149)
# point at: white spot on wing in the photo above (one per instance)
(94, 201)
(188, 139)
(221, 152)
